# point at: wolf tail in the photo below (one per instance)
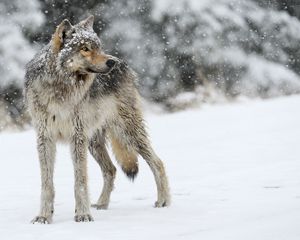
(125, 157)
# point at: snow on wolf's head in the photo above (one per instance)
(79, 50)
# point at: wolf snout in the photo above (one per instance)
(110, 63)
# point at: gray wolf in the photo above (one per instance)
(77, 94)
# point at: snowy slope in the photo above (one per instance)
(233, 169)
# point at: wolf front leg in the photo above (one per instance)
(79, 146)
(98, 150)
(46, 151)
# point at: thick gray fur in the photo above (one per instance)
(81, 102)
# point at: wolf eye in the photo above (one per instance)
(84, 49)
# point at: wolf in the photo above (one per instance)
(77, 94)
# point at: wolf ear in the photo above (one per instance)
(60, 34)
(88, 22)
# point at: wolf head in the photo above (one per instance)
(79, 49)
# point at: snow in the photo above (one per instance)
(233, 170)
(180, 5)
(237, 44)
(262, 78)
(16, 17)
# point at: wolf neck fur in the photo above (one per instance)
(63, 85)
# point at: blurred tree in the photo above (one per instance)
(290, 6)
(17, 19)
(242, 47)
(57, 10)
(129, 31)
(167, 52)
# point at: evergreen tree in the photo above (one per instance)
(17, 19)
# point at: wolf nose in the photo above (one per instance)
(110, 63)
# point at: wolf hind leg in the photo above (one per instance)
(158, 170)
(131, 131)
(98, 151)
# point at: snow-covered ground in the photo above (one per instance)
(234, 172)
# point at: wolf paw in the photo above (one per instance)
(100, 206)
(162, 203)
(83, 218)
(41, 220)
